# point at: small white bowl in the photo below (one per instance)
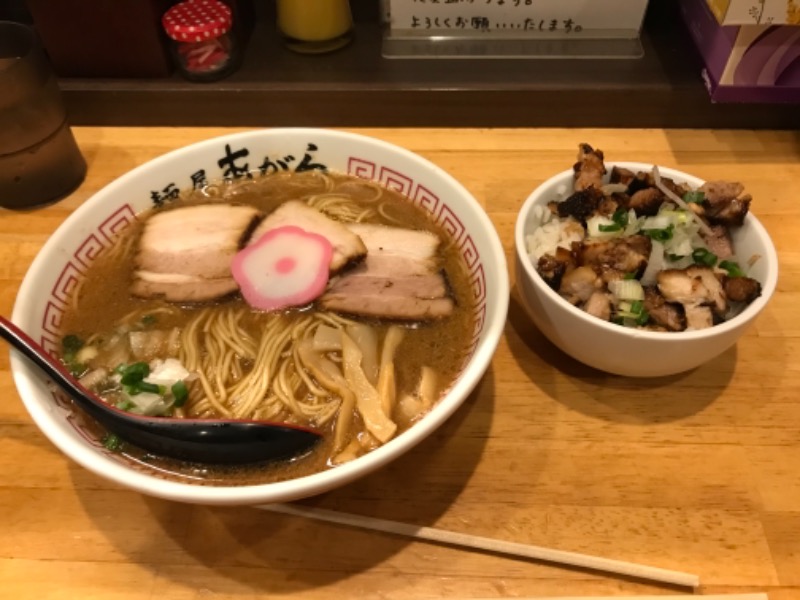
(62, 262)
(624, 351)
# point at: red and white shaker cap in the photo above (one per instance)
(197, 20)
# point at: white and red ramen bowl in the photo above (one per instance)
(62, 263)
(627, 351)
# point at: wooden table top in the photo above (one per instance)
(698, 472)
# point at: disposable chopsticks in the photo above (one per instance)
(574, 559)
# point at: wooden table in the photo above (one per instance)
(698, 472)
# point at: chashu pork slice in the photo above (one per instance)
(415, 247)
(400, 278)
(347, 246)
(185, 254)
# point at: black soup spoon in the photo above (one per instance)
(195, 440)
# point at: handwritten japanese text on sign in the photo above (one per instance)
(515, 16)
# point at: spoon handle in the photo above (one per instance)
(39, 356)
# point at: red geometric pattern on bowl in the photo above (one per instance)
(450, 222)
(74, 269)
(60, 399)
(361, 168)
(51, 325)
(478, 281)
(427, 200)
(76, 422)
(395, 181)
(71, 275)
(470, 253)
(89, 250)
(116, 222)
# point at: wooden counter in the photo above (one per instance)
(698, 472)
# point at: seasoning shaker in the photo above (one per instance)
(202, 40)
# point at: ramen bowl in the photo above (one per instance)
(62, 263)
(629, 351)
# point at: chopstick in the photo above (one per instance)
(574, 559)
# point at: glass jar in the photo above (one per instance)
(202, 41)
(315, 26)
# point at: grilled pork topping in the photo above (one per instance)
(185, 254)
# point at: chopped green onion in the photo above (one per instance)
(112, 442)
(180, 393)
(133, 374)
(696, 196)
(629, 276)
(643, 318)
(125, 405)
(674, 257)
(733, 269)
(152, 388)
(637, 306)
(141, 387)
(660, 235)
(703, 256)
(620, 217)
(609, 228)
(71, 344)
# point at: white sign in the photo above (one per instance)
(523, 17)
(759, 12)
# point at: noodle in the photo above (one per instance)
(349, 188)
(312, 387)
(383, 213)
(329, 182)
(341, 208)
(76, 292)
(283, 390)
(246, 378)
(121, 248)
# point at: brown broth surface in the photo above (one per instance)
(104, 299)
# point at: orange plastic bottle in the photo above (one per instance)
(315, 26)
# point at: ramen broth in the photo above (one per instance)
(102, 308)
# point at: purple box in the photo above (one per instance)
(745, 63)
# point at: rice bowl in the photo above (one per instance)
(607, 346)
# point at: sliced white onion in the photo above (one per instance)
(685, 261)
(679, 201)
(166, 372)
(655, 263)
(593, 228)
(678, 217)
(626, 289)
(613, 188)
(660, 221)
(634, 224)
(147, 403)
(680, 244)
